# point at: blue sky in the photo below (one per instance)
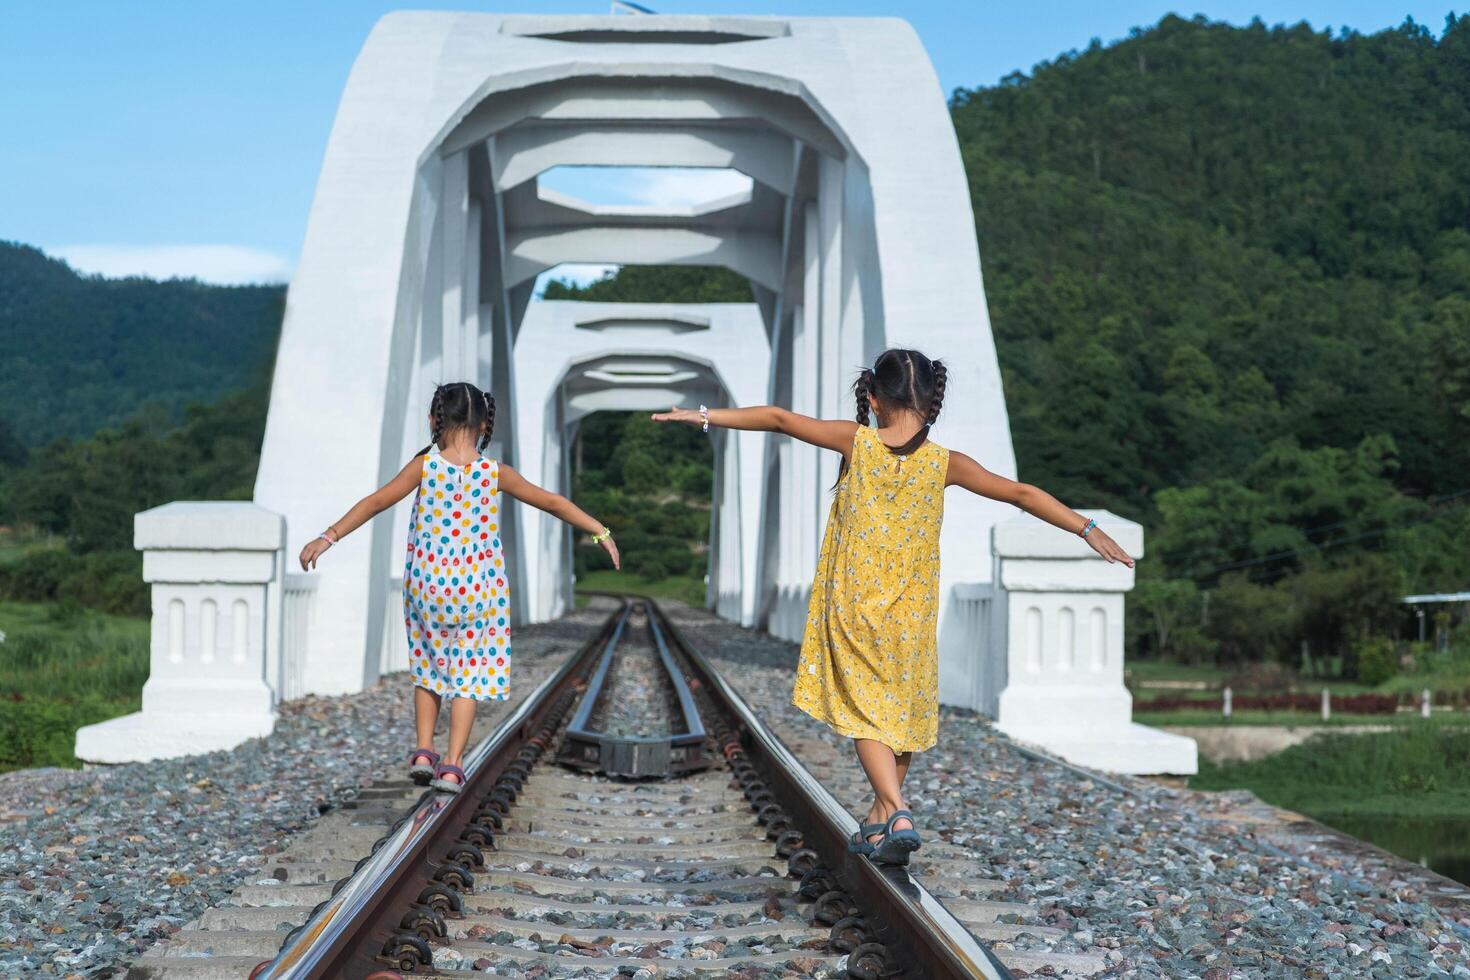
(184, 137)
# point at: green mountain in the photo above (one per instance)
(1207, 239)
(81, 353)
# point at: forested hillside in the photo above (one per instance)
(1206, 239)
(80, 353)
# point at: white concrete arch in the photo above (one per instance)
(577, 358)
(418, 260)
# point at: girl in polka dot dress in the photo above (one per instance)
(456, 598)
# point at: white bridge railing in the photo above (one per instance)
(393, 651)
(298, 599)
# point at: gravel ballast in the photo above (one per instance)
(97, 865)
(1168, 883)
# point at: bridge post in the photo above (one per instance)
(1063, 661)
(216, 572)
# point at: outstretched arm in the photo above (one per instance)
(966, 473)
(557, 506)
(835, 435)
(363, 511)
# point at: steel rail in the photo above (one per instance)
(346, 934)
(904, 916)
(636, 755)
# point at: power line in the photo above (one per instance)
(1363, 536)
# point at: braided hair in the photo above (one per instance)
(456, 406)
(902, 379)
(489, 420)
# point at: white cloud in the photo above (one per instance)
(668, 187)
(677, 187)
(224, 264)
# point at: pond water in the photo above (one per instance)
(1440, 844)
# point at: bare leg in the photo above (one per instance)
(901, 766)
(901, 762)
(461, 718)
(881, 766)
(425, 716)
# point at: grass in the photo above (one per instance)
(687, 590)
(62, 667)
(1418, 771)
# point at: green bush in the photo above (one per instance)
(109, 581)
(1377, 660)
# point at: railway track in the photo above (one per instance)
(733, 863)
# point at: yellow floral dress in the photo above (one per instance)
(869, 666)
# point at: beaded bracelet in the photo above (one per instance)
(1087, 529)
(602, 536)
(327, 537)
(704, 415)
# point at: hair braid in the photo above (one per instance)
(436, 420)
(862, 388)
(941, 375)
(489, 420)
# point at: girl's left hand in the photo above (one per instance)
(611, 547)
(687, 415)
(1107, 547)
(314, 549)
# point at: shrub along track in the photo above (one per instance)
(735, 864)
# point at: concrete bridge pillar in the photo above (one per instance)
(1061, 627)
(215, 664)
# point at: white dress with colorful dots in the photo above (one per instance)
(456, 601)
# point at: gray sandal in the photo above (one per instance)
(897, 845)
(859, 844)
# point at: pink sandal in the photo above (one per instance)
(445, 785)
(422, 772)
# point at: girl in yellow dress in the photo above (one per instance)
(869, 666)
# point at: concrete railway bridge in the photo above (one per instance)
(428, 231)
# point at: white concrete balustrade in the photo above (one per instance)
(1061, 650)
(215, 569)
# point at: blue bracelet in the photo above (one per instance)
(1086, 529)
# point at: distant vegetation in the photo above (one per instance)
(81, 353)
(1416, 771)
(651, 484)
(658, 284)
(66, 514)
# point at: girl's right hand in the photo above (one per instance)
(687, 415)
(314, 549)
(1105, 546)
(611, 547)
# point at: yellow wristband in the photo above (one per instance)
(601, 537)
